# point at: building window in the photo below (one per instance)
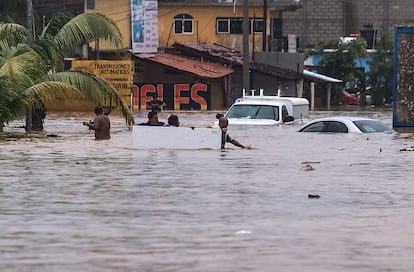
(90, 4)
(258, 25)
(235, 25)
(223, 26)
(183, 24)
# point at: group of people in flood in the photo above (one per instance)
(153, 120)
(155, 106)
(102, 125)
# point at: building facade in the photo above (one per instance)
(203, 21)
(195, 22)
(320, 20)
(218, 21)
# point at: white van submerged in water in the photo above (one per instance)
(267, 110)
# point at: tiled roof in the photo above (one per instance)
(199, 68)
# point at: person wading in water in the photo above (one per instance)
(101, 124)
(225, 137)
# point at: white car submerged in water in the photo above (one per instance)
(346, 124)
(267, 110)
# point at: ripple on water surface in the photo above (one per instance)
(71, 203)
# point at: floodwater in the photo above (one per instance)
(69, 203)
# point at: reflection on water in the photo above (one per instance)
(69, 203)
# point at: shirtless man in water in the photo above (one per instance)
(101, 125)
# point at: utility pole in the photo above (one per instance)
(29, 121)
(246, 58)
(264, 41)
(30, 22)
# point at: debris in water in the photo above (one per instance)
(313, 196)
(244, 232)
(308, 167)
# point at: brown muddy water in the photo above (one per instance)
(69, 203)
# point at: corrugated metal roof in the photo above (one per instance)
(231, 56)
(199, 68)
(214, 51)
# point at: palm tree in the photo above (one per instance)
(25, 68)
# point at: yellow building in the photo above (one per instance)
(203, 21)
(150, 27)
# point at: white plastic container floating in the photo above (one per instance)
(164, 137)
(267, 110)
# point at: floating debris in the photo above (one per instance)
(82, 163)
(244, 232)
(313, 196)
(409, 148)
(307, 167)
(311, 162)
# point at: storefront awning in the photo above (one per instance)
(319, 77)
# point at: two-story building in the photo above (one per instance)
(151, 29)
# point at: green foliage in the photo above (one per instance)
(381, 73)
(25, 78)
(339, 61)
(11, 106)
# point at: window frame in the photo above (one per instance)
(235, 25)
(183, 21)
(222, 20)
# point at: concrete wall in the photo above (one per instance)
(270, 85)
(321, 20)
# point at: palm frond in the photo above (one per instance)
(96, 90)
(48, 51)
(55, 24)
(13, 33)
(86, 27)
(48, 92)
(20, 61)
(11, 106)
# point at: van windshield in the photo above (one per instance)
(254, 112)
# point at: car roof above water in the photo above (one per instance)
(271, 100)
(350, 123)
